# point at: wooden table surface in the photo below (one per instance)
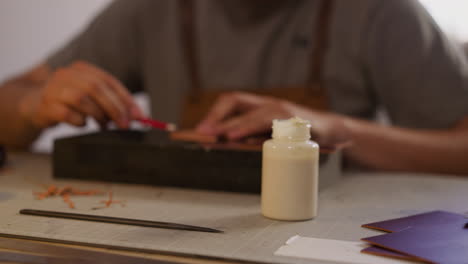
(359, 198)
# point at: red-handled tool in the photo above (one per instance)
(158, 124)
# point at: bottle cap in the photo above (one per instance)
(294, 128)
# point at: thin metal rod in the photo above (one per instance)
(118, 220)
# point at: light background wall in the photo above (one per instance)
(31, 29)
(452, 15)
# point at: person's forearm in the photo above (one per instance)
(392, 148)
(17, 130)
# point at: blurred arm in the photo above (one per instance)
(393, 148)
(18, 130)
(370, 144)
(42, 98)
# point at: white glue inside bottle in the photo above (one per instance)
(290, 172)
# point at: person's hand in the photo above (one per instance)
(238, 115)
(79, 91)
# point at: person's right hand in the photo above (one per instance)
(81, 90)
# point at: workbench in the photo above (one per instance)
(248, 237)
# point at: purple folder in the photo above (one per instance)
(375, 250)
(419, 220)
(444, 244)
(423, 221)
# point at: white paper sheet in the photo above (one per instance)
(331, 250)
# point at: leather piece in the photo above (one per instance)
(419, 220)
(425, 220)
(444, 244)
(378, 251)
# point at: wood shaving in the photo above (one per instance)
(107, 203)
(67, 192)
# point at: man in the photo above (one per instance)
(465, 48)
(380, 54)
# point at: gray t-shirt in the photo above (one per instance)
(382, 54)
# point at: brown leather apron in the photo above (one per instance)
(199, 101)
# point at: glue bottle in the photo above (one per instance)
(290, 172)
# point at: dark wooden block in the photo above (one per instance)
(150, 157)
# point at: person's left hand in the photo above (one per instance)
(237, 115)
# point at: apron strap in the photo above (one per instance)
(321, 37)
(187, 16)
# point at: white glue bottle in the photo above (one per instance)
(290, 172)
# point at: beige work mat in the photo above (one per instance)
(358, 199)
